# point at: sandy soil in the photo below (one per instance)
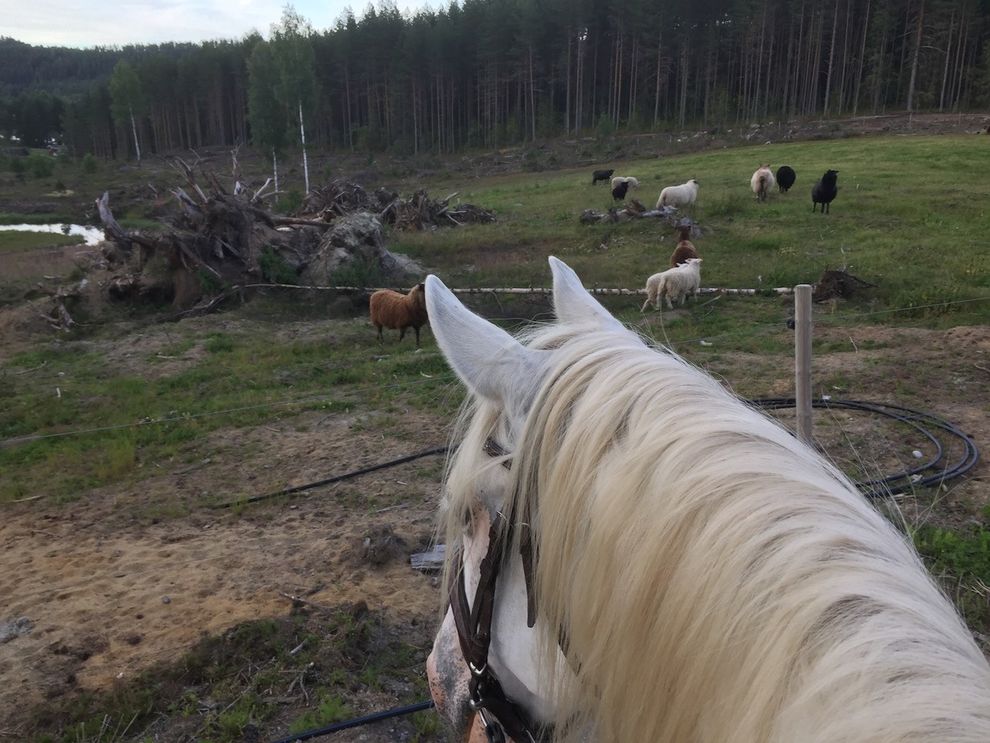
(110, 592)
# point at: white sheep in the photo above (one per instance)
(633, 182)
(673, 284)
(762, 181)
(678, 196)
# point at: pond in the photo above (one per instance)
(92, 235)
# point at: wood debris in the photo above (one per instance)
(417, 212)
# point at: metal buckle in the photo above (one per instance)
(477, 672)
(492, 729)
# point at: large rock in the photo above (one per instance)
(353, 252)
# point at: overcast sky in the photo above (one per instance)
(119, 22)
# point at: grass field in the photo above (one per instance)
(95, 415)
(911, 217)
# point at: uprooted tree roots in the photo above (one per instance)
(220, 239)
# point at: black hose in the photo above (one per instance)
(334, 478)
(357, 722)
(904, 481)
(899, 482)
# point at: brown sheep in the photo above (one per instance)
(685, 248)
(390, 309)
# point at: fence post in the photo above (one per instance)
(802, 360)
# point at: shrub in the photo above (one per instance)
(89, 163)
(605, 127)
(40, 166)
(291, 200)
(275, 268)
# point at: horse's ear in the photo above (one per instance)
(572, 302)
(488, 360)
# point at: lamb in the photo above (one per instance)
(678, 196)
(785, 178)
(685, 248)
(633, 182)
(621, 184)
(824, 191)
(601, 175)
(390, 309)
(674, 283)
(762, 181)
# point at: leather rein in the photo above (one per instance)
(474, 627)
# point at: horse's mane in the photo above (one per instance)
(709, 577)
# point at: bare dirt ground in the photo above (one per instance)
(111, 588)
(116, 582)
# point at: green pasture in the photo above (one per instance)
(124, 399)
(912, 216)
(16, 242)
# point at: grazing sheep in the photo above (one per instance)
(673, 284)
(678, 196)
(824, 191)
(785, 178)
(685, 248)
(619, 190)
(762, 181)
(633, 182)
(601, 175)
(390, 309)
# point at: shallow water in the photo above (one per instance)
(92, 235)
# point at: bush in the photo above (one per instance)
(605, 127)
(89, 163)
(360, 271)
(40, 166)
(275, 268)
(290, 201)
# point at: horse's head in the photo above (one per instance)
(504, 376)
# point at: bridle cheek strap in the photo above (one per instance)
(474, 633)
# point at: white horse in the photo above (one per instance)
(698, 574)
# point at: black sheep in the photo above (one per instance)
(601, 175)
(824, 191)
(785, 178)
(619, 192)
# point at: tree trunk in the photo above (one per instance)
(656, 93)
(275, 170)
(137, 145)
(532, 96)
(567, 96)
(915, 57)
(862, 57)
(831, 60)
(302, 137)
(948, 53)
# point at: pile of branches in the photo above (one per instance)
(633, 210)
(838, 284)
(418, 212)
(216, 237)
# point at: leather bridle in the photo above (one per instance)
(474, 626)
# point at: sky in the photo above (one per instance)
(119, 22)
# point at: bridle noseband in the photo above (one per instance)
(474, 625)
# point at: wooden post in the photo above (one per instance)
(802, 360)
